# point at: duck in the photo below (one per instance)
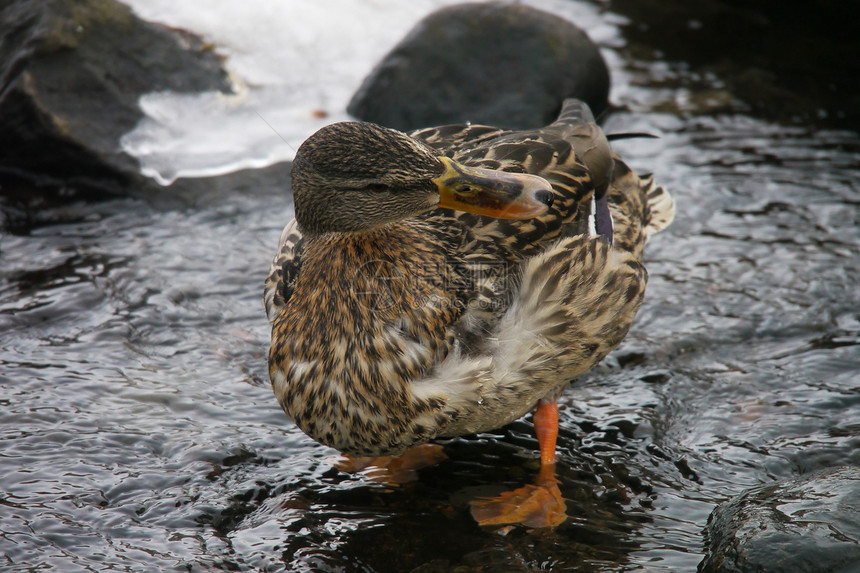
(450, 280)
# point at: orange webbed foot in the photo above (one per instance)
(393, 470)
(535, 505)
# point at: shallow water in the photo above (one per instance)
(139, 432)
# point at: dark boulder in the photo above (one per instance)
(810, 524)
(72, 73)
(507, 65)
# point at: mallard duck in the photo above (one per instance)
(451, 280)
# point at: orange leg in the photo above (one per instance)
(534, 505)
(546, 428)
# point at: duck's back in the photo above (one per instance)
(573, 154)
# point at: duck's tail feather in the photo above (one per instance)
(661, 206)
(575, 112)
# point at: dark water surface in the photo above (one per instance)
(139, 431)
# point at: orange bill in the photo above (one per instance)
(493, 193)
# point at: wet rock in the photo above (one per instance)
(71, 74)
(805, 525)
(499, 64)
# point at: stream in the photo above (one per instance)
(139, 430)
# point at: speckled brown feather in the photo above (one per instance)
(448, 323)
(547, 152)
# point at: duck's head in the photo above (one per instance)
(351, 177)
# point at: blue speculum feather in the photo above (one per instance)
(602, 218)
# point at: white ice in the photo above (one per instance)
(295, 65)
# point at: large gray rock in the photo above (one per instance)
(810, 524)
(507, 65)
(71, 74)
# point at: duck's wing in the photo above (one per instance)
(580, 286)
(450, 139)
(578, 298)
(590, 182)
(572, 154)
(284, 270)
(576, 303)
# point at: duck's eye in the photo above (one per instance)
(377, 187)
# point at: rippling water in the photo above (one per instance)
(139, 432)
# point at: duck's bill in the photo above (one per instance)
(493, 193)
